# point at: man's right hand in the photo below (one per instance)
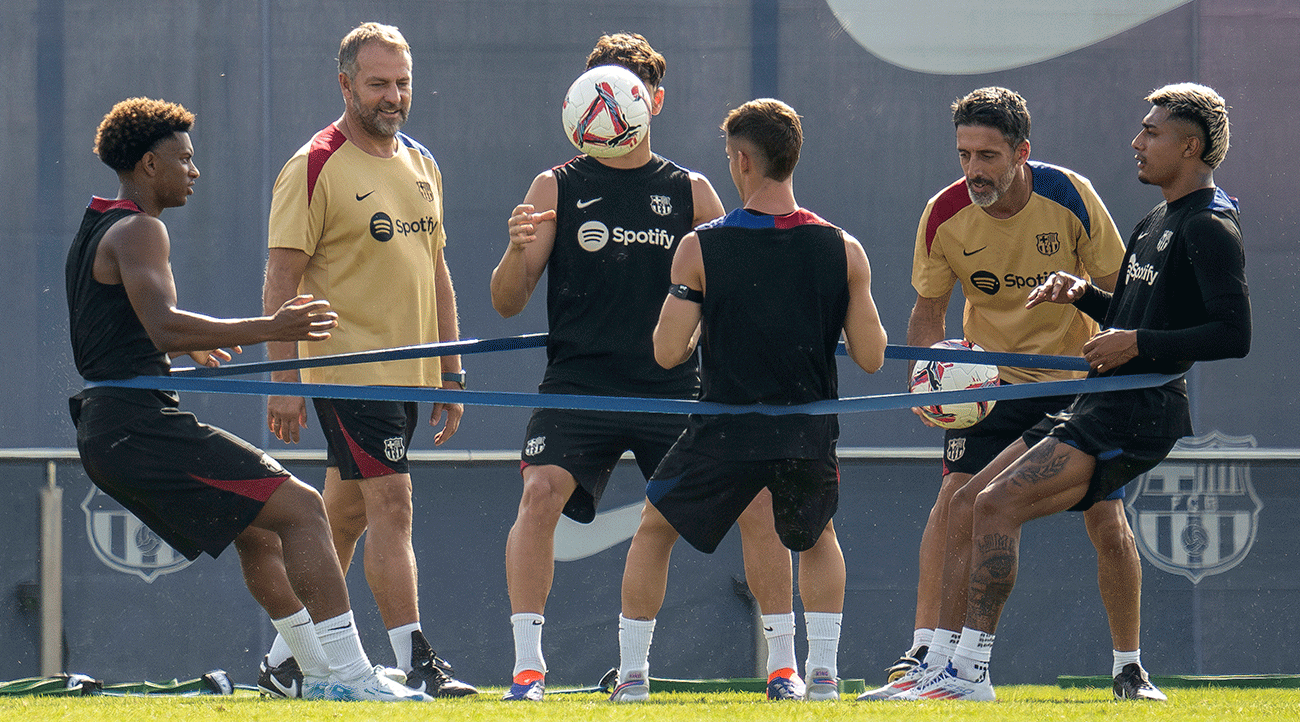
(303, 318)
(285, 416)
(523, 224)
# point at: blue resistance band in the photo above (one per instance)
(192, 380)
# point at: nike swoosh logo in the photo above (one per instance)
(575, 541)
(964, 252)
(584, 204)
(536, 623)
(362, 198)
(767, 629)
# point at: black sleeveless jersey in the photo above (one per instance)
(616, 232)
(775, 297)
(108, 341)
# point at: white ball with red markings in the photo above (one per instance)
(606, 112)
(930, 376)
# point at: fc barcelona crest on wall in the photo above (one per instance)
(123, 543)
(1197, 518)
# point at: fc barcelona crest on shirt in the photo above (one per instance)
(1197, 518)
(1048, 243)
(662, 205)
(123, 543)
(426, 190)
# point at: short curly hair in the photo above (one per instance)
(1204, 109)
(134, 126)
(631, 51)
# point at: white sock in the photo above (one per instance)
(1123, 658)
(779, 631)
(280, 650)
(348, 661)
(920, 638)
(823, 641)
(400, 638)
(942, 645)
(528, 642)
(297, 636)
(971, 658)
(634, 637)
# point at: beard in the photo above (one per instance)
(990, 191)
(375, 124)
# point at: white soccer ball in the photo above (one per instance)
(607, 111)
(952, 376)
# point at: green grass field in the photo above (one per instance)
(1016, 703)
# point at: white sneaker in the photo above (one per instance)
(392, 673)
(822, 685)
(636, 688)
(947, 685)
(910, 679)
(371, 688)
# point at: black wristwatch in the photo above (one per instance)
(458, 377)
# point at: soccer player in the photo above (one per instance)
(1003, 228)
(602, 306)
(356, 216)
(1182, 298)
(767, 291)
(196, 486)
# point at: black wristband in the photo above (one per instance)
(458, 377)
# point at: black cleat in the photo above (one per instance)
(284, 680)
(431, 674)
(1132, 683)
(906, 662)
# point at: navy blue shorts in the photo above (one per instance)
(702, 497)
(366, 439)
(196, 486)
(1099, 432)
(588, 444)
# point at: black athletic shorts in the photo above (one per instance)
(366, 439)
(588, 444)
(1099, 431)
(196, 486)
(702, 497)
(967, 451)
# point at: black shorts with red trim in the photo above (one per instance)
(196, 486)
(1098, 427)
(702, 496)
(366, 439)
(588, 444)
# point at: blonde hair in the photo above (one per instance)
(1201, 107)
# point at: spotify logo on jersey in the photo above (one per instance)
(381, 227)
(985, 281)
(593, 235)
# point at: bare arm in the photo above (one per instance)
(677, 331)
(532, 236)
(864, 335)
(285, 415)
(926, 326)
(706, 201)
(448, 330)
(135, 252)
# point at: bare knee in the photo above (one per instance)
(1109, 530)
(546, 490)
(387, 499)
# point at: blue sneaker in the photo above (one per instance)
(780, 688)
(527, 692)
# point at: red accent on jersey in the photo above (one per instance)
(801, 217)
(953, 198)
(323, 145)
(104, 205)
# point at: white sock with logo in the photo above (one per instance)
(634, 637)
(1124, 658)
(779, 631)
(297, 635)
(348, 661)
(971, 658)
(823, 641)
(528, 642)
(942, 645)
(400, 638)
(920, 638)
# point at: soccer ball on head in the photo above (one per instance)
(954, 376)
(606, 112)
